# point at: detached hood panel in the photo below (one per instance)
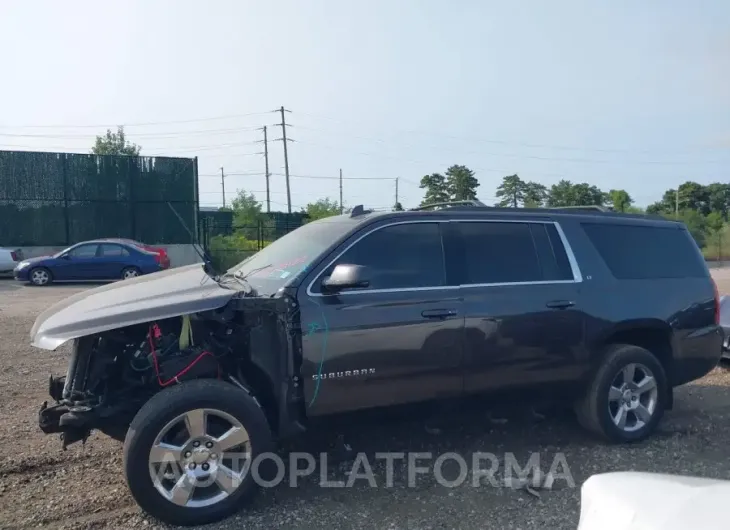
(628, 500)
(161, 295)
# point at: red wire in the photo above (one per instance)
(179, 374)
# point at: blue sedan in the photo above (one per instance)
(89, 261)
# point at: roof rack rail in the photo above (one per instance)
(449, 204)
(587, 207)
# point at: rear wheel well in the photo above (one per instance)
(653, 339)
(656, 340)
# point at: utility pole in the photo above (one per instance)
(396, 191)
(676, 204)
(266, 161)
(223, 186)
(342, 207)
(284, 139)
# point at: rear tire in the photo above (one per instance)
(130, 272)
(40, 276)
(197, 451)
(627, 396)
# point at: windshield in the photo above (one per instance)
(58, 254)
(279, 263)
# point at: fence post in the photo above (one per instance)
(65, 199)
(130, 183)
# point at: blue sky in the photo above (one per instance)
(620, 94)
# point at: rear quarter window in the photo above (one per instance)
(641, 252)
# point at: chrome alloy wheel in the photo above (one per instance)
(40, 277)
(200, 458)
(632, 397)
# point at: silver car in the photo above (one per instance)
(9, 258)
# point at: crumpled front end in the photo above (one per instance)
(251, 342)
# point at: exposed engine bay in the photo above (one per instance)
(111, 375)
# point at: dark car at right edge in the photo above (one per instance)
(372, 309)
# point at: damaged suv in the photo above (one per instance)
(200, 373)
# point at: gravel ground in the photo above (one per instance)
(43, 486)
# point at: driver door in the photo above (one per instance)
(398, 340)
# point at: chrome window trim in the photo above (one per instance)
(577, 276)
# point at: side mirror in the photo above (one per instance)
(346, 277)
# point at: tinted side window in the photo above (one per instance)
(400, 256)
(84, 251)
(499, 253)
(636, 252)
(551, 251)
(113, 251)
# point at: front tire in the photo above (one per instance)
(189, 451)
(40, 276)
(627, 396)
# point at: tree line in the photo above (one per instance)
(703, 208)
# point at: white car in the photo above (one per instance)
(651, 501)
(9, 258)
(725, 323)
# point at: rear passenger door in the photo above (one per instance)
(521, 291)
(111, 260)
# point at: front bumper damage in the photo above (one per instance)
(272, 350)
(61, 418)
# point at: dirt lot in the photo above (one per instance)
(42, 486)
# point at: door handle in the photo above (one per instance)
(560, 304)
(439, 313)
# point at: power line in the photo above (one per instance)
(544, 158)
(172, 134)
(325, 177)
(138, 124)
(506, 142)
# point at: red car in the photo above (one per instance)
(163, 258)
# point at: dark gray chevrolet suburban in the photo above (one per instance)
(200, 372)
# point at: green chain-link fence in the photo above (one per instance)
(55, 199)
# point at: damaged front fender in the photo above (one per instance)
(167, 294)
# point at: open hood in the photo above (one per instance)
(156, 296)
(651, 501)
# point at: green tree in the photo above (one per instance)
(115, 144)
(511, 192)
(435, 186)
(536, 195)
(719, 198)
(398, 207)
(565, 193)
(696, 224)
(461, 184)
(620, 200)
(692, 196)
(322, 208)
(247, 215)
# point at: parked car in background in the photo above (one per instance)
(9, 258)
(164, 258)
(725, 324)
(100, 260)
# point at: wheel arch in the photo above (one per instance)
(654, 335)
